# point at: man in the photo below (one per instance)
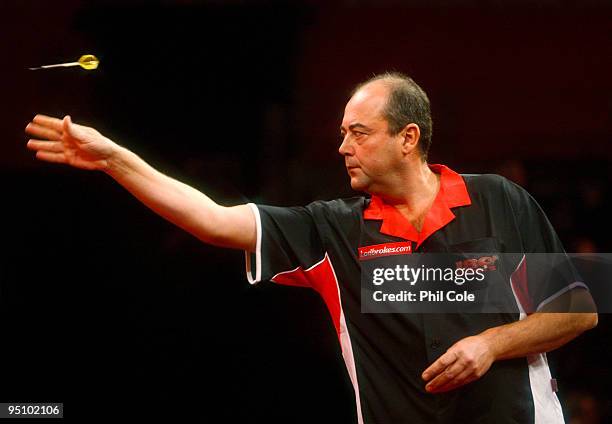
(404, 367)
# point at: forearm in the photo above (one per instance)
(537, 333)
(175, 201)
(471, 357)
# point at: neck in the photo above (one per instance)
(413, 188)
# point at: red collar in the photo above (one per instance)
(452, 193)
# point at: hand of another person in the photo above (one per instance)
(465, 361)
(62, 141)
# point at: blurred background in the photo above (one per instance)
(106, 307)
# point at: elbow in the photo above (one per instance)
(586, 310)
(590, 321)
(585, 321)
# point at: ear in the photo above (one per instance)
(411, 135)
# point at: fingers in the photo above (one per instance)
(464, 362)
(50, 150)
(49, 122)
(42, 131)
(454, 373)
(45, 146)
(439, 365)
(466, 376)
(51, 157)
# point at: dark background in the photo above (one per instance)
(106, 307)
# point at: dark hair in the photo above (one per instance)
(407, 103)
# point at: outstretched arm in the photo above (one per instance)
(62, 141)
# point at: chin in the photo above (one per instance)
(358, 185)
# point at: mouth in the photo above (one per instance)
(352, 171)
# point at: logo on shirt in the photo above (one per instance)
(486, 263)
(385, 249)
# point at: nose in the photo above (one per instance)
(344, 148)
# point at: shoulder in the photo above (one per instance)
(318, 209)
(493, 188)
(346, 206)
(494, 185)
(483, 183)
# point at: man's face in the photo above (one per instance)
(371, 155)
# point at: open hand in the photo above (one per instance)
(62, 141)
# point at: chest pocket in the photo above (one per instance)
(484, 255)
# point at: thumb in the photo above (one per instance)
(67, 125)
(72, 129)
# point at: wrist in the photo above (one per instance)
(491, 340)
(115, 161)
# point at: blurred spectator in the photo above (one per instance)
(514, 170)
(584, 245)
(583, 408)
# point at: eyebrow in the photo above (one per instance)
(356, 125)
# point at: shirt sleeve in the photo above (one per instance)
(287, 240)
(545, 272)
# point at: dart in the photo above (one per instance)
(88, 62)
